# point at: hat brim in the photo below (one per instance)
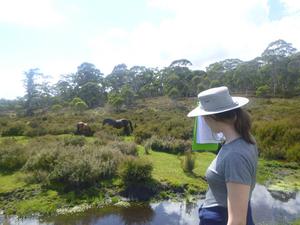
(198, 111)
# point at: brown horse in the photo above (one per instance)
(121, 123)
(83, 129)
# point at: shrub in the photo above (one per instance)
(42, 163)
(82, 168)
(147, 146)
(56, 108)
(81, 106)
(75, 141)
(135, 172)
(263, 91)
(16, 129)
(168, 144)
(74, 167)
(177, 128)
(12, 155)
(35, 131)
(188, 162)
(293, 153)
(141, 135)
(127, 148)
(272, 139)
(57, 129)
(103, 137)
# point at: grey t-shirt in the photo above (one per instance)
(236, 162)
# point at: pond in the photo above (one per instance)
(275, 208)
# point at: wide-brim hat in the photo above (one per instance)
(216, 100)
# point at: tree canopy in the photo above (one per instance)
(276, 72)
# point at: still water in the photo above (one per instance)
(266, 210)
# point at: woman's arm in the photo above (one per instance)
(237, 202)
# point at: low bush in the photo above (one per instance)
(74, 167)
(168, 144)
(12, 155)
(293, 153)
(135, 172)
(75, 140)
(127, 148)
(16, 129)
(141, 135)
(277, 139)
(57, 129)
(188, 162)
(43, 160)
(35, 131)
(103, 137)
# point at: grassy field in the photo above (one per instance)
(36, 199)
(45, 142)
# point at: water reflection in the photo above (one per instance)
(271, 211)
(136, 214)
(266, 210)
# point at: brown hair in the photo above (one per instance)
(241, 120)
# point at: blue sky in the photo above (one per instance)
(58, 35)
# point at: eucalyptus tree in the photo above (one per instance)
(32, 96)
(117, 78)
(65, 88)
(246, 77)
(275, 57)
(89, 85)
(177, 79)
(292, 79)
(144, 81)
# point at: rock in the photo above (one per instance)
(283, 196)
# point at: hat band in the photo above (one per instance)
(222, 107)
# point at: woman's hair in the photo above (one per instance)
(241, 120)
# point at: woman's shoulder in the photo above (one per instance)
(240, 146)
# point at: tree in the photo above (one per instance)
(78, 104)
(180, 63)
(91, 94)
(278, 49)
(65, 87)
(274, 55)
(115, 100)
(89, 85)
(87, 72)
(127, 94)
(31, 97)
(173, 93)
(117, 78)
(263, 91)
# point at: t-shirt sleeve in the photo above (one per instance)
(238, 169)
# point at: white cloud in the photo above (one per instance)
(32, 13)
(12, 85)
(199, 30)
(292, 6)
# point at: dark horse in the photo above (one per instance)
(122, 123)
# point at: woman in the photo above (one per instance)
(231, 176)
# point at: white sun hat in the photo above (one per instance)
(216, 100)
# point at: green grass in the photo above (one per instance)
(279, 176)
(159, 116)
(44, 203)
(296, 222)
(167, 168)
(10, 182)
(18, 139)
